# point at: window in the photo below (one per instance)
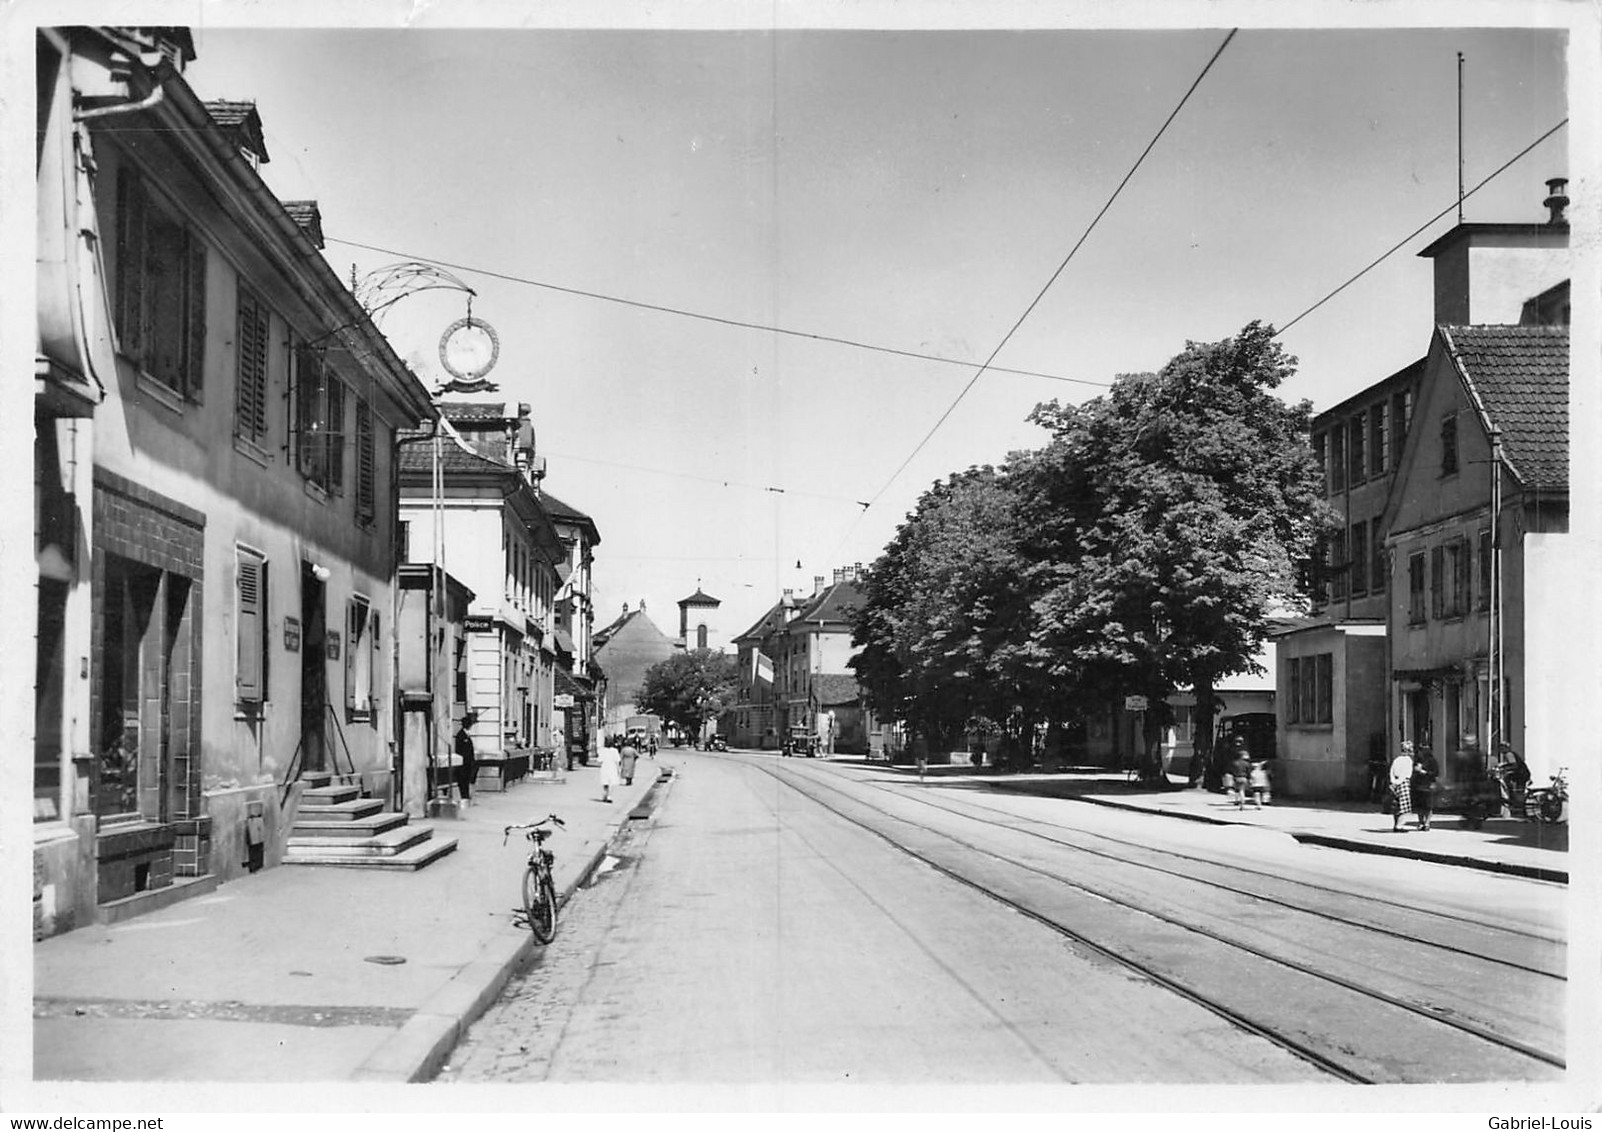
(700, 636)
(1485, 568)
(1339, 565)
(1415, 589)
(1401, 412)
(161, 290)
(1453, 566)
(250, 380)
(361, 658)
(1337, 458)
(1324, 681)
(1359, 466)
(251, 636)
(1359, 558)
(1462, 552)
(1437, 582)
(1376, 440)
(1321, 458)
(319, 421)
(1449, 445)
(1378, 566)
(366, 486)
(1309, 697)
(1293, 673)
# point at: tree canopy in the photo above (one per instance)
(689, 688)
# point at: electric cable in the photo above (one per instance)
(702, 316)
(1394, 248)
(1054, 275)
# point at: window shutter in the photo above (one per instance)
(251, 410)
(195, 316)
(130, 263)
(355, 614)
(334, 435)
(375, 651)
(366, 506)
(251, 643)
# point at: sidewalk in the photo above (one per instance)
(1503, 845)
(312, 974)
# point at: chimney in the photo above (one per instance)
(1556, 199)
(817, 583)
(838, 575)
(625, 609)
(856, 571)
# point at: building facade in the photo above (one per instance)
(219, 602)
(624, 650)
(471, 504)
(579, 683)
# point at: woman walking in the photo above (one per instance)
(1401, 783)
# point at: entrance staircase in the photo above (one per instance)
(335, 825)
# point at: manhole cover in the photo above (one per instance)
(385, 960)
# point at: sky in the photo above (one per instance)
(902, 187)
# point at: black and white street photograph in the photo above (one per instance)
(898, 558)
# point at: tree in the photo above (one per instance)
(941, 603)
(689, 688)
(1165, 522)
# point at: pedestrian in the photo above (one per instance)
(1422, 786)
(467, 759)
(628, 755)
(1240, 771)
(1400, 801)
(611, 761)
(1262, 789)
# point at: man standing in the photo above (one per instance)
(467, 759)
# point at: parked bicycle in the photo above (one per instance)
(539, 884)
(1546, 803)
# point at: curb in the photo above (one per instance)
(1330, 841)
(418, 1050)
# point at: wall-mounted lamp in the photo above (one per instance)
(321, 573)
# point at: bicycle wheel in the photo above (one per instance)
(539, 903)
(1551, 807)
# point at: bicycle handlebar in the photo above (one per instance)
(547, 819)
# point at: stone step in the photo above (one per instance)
(385, 844)
(350, 810)
(346, 828)
(412, 859)
(335, 792)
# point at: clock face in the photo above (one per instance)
(469, 348)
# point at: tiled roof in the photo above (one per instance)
(1521, 376)
(453, 458)
(833, 688)
(700, 598)
(306, 214)
(834, 605)
(474, 410)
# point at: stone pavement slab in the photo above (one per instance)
(316, 973)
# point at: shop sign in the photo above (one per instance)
(1134, 703)
(333, 646)
(292, 634)
(562, 700)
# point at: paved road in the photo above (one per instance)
(781, 922)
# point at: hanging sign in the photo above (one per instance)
(1134, 703)
(562, 700)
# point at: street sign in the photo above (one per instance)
(562, 700)
(1134, 703)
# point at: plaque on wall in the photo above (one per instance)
(333, 646)
(291, 634)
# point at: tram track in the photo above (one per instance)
(1314, 1022)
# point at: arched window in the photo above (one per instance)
(700, 636)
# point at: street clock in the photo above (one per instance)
(469, 349)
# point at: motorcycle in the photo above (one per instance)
(1548, 802)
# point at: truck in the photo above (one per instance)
(647, 726)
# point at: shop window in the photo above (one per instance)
(161, 289)
(49, 680)
(128, 604)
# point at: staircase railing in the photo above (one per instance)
(292, 775)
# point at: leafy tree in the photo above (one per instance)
(689, 688)
(1165, 520)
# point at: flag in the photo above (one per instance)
(763, 668)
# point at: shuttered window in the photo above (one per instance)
(160, 289)
(250, 410)
(250, 672)
(358, 659)
(366, 493)
(334, 434)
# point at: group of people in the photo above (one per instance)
(618, 756)
(1246, 774)
(1411, 786)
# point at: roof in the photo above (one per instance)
(474, 410)
(767, 623)
(835, 605)
(1520, 377)
(1462, 231)
(310, 218)
(700, 598)
(1409, 375)
(566, 513)
(832, 688)
(453, 458)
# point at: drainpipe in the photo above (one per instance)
(1496, 723)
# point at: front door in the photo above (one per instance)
(313, 670)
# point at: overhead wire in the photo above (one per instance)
(987, 365)
(1394, 248)
(702, 316)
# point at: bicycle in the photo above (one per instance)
(539, 886)
(1546, 803)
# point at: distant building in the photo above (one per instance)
(624, 650)
(699, 624)
(579, 677)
